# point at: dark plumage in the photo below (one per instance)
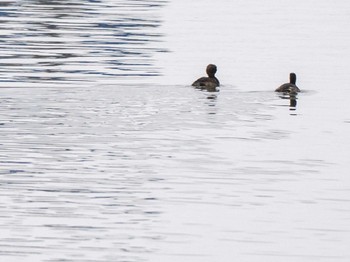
(208, 82)
(289, 87)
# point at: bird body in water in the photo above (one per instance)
(210, 82)
(289, 87)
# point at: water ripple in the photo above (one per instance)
(43, 44)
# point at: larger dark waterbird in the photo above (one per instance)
(209, 82)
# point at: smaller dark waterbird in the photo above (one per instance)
(289, 87)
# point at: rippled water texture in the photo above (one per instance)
(107, 154)
(43, 43)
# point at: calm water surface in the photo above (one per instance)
(107, 153)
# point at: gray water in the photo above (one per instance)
(108, 154)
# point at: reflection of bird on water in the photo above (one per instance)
(289, 87)
(292, 97)
(293, 101)
(210, 82)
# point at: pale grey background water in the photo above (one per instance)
(107, 153)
